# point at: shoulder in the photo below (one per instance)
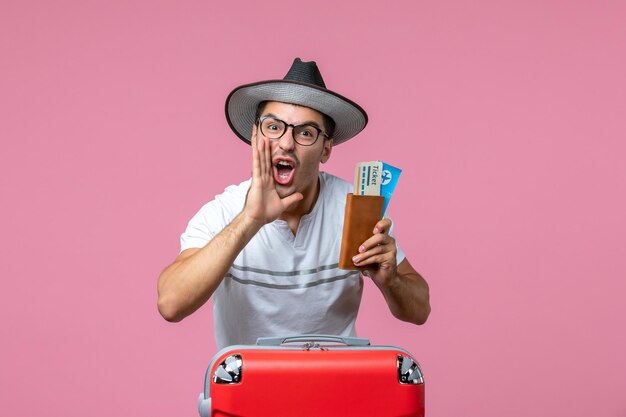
(334, 186)
(214, 216)
(234, 194)
(227, 204)
(334, 190)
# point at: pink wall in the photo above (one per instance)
(507, 118)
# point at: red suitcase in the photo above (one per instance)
(312, 375)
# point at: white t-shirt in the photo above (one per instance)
(281, 284)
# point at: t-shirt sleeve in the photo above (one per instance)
(399, 252)
(199, 231)
(212, 218)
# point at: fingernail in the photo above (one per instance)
(355, 259)
(361, 248)
(376, 230)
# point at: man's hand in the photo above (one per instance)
(405, 291)
(264, 204)
(379, 254)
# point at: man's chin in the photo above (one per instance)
(285, 190)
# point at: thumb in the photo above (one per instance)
(291, 199)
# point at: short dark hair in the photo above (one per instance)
(329, 123)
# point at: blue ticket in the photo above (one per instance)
(389, 179)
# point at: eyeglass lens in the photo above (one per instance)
(275, 128)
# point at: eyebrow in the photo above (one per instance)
(308, 122)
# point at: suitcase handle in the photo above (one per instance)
(346, 340)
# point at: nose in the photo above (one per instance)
(286, 141)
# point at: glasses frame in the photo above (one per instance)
(287, 126)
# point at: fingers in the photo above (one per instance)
(291, 199)
(262, 161)
(378, 249)
(380, 254)
(382, 226)
(256, 163)
(262, 157)
(380, 236)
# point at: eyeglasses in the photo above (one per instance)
(304, 134)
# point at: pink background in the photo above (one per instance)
(508, 118)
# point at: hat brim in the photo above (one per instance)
(242, 103)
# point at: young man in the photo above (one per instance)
(267, 250)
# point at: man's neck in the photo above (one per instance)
(304, 206)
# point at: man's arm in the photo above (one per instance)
(407, 295)
(405, 291)
(189, 282)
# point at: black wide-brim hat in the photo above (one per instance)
(303, 85)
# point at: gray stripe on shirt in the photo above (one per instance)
(291, 286)
(285, 274)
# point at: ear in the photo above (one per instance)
(326, 150)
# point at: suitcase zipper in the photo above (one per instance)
(313, 345)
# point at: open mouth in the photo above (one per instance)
(283, 171)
